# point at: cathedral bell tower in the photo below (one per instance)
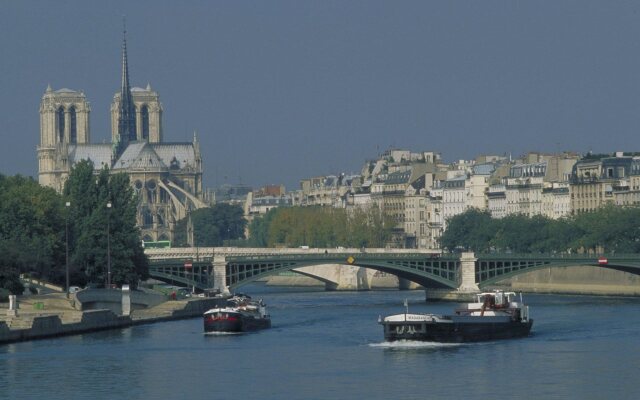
(64, 122)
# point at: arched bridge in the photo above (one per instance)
(217, 268)
(492, 268)
(209, 268)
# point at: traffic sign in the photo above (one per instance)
(603, 261)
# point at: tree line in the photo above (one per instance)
(608, 229)
(320, 227)
(218, 225)
(34, 221)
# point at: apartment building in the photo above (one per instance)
(556, 200)
(497, 200)
(597, 182)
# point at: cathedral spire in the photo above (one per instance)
(126, 111)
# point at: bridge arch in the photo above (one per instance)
(425, 271)
(493, 269)
(234, 267)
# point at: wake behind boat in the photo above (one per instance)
(494, 315)
(241, 314)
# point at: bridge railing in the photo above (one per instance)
(342, 257)
(209, 252)
(556, 256)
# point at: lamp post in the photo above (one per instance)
(66, 232)
(109, 245)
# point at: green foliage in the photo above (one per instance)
(469, 230)
(10, 281)
(611, 229)
(320, 227)
(212, 226)
(31, 231)
(94, 227)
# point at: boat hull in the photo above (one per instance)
(484, 329)
(234, 323)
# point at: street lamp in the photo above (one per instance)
(109, 245)
(66, 232)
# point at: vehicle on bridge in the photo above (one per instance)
(494, 315)
(241, 314)
(160, 244)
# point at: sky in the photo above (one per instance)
(279, 91)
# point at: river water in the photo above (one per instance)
(328, 345)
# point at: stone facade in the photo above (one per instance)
(610, 180)
(166, 176)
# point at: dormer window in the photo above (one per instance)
(174, 164)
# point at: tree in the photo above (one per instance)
(471, 230)
(31, 229)
(259, 229)
(129, 264)
(94, 227)
(321, 227)
(212, 226)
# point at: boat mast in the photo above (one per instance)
(406, 308)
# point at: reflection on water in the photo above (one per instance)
(329, 344)
(412, 344)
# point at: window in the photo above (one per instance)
(144, 113)
(73, 132)
(147, 218)
(60, 125)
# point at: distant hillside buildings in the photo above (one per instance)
(420, 192)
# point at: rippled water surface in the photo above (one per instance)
(329, 345)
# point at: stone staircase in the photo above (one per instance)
(19, 322)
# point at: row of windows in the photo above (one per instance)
(73, 130)
(585, 195)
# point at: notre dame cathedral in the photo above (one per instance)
(166, 176)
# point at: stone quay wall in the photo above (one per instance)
(583, 280)
(29, 326)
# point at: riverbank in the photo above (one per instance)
(52, 315)
(578, 280)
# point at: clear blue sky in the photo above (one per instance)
(283, 90)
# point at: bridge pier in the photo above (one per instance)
(126, 300)
(467, 287)
(468, 273)
(219, 273)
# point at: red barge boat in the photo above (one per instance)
(241, 314)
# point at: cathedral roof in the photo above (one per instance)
(99, 154)
(140, 156)
(66, 90)
(176, 155)
(137, 156)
